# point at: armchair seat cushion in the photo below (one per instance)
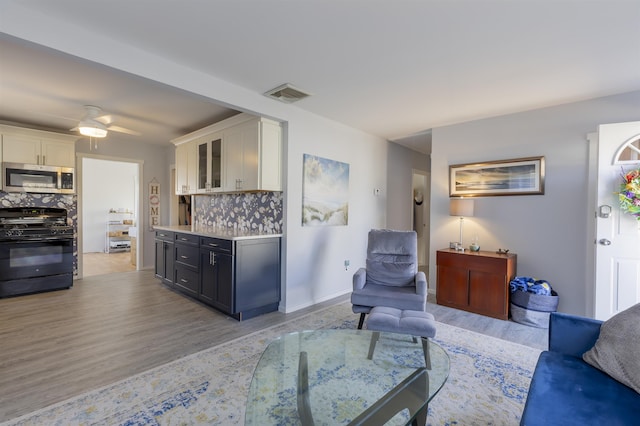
(564, 385)
(393, 297)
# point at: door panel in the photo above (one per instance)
(618, 234)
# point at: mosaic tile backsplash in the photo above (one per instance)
(68, 202)
(255, 211)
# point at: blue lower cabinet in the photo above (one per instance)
(238, 277)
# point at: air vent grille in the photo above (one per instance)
(287, 93)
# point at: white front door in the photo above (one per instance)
(617, 234)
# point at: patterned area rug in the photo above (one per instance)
(487, 385)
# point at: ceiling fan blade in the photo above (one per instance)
(123, 130)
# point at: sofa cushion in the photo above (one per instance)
(617, 349)
(566, 390)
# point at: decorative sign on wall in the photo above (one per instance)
(154, 203)
(325, 192)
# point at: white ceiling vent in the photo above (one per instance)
(287, 93)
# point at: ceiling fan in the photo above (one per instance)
(96, 124)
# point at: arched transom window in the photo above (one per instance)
(629, 152)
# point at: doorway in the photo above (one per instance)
(108, 215)
(614, 151)
(420, 216)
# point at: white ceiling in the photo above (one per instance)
(395, 69)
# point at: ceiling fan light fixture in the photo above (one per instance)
(92, 129)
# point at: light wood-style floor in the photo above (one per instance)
(106, 263)
(59, 344)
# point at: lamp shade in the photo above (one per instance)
(461, 207)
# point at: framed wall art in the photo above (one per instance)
(325, 192)
(520, 176)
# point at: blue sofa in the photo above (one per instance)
(565, 390)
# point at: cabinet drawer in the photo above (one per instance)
(472, 261)
(187, 255)
(217, 244)
(187, 239)
(187, 279)
(165, 235)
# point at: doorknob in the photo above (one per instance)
(605, 242)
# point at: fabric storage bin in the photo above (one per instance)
(533, 309)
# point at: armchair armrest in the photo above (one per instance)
(359, 278)
(572, 334)
(421, 283)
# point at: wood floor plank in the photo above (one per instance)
(106, 328)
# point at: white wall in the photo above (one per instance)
(105, 185)
(313, 257)
(549, 232)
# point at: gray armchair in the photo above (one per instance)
(391, 277)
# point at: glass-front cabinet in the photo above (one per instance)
(209, 163)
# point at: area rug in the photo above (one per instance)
(487, 385)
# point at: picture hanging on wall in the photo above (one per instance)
(325, 192)
(520, 176)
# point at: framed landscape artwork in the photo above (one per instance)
(520, 176)
(325, 192)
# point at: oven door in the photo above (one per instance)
(25, 258)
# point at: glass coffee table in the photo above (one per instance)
(345, 377)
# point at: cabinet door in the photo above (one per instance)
(216, 287)
(488, 293)
(453, 286)
(21, 149)
(181, 169)
(159, 268)
(233, 158)
(271, 157)
(209, 164)
(169, 266)
(251, 156)
(55, 153)
(186, 168)
(203, 169)
(164, 261)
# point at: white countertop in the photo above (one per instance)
(215, 232)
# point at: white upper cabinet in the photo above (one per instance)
(242, 153)
(252, 156)
(37, 147)
(186, 168)
(209, 173)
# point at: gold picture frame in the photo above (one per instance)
(519, 176)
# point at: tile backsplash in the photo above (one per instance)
(252, 211)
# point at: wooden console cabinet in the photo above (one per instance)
(475, 281)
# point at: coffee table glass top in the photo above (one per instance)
(343, 384)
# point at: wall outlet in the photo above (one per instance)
(346, 265)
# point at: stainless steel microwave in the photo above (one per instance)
(19, 177)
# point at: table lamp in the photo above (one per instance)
(462, 207)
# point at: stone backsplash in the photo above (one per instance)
(253, 211)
